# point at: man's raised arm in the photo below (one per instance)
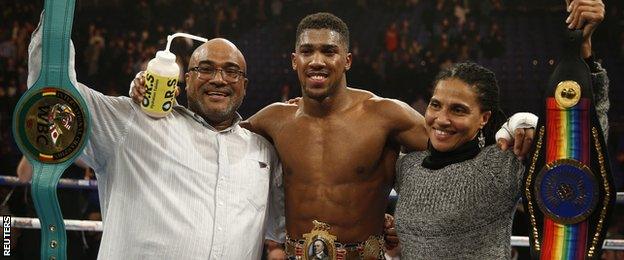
(109, 115)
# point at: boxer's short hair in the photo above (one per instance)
(324, 21)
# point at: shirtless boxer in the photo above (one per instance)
(339, 145)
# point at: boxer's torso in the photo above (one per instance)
(338, 168)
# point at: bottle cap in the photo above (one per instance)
(166, 56)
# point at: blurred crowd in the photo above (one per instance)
(398, 47)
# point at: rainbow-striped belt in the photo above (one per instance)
(568, 131)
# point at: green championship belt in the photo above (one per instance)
(568, 190)
(51, 125)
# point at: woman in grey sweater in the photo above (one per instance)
(457, 199)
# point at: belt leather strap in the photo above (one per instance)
(51, 125)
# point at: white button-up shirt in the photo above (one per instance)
(176, 188)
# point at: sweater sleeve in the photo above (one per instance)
(507, 170)
(600, 83)
(398, 176)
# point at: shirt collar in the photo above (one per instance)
(201, 120)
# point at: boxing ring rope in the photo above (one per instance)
(96, 226)
(63, 183)
(92, 185)
(88, 225)
(70, 224)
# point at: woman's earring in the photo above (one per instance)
(481, 139)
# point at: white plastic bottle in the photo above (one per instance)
(161, 79)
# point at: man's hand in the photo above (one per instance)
(522, 142)
(585, 15)
(270, 245)
(137, 88)
(390, 234)
(293, 101)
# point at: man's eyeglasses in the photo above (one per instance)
(230, 75)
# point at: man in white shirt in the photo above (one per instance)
(192, 185)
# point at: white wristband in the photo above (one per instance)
(518, 120)
(522, 120)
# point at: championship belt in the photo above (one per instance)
(319, 244)
(568, 190)
(51, 125)
(319, 237)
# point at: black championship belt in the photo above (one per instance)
(568, 189)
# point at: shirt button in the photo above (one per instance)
(219, 228)
(220, 203)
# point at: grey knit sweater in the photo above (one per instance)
(462, 211)
(465, 210)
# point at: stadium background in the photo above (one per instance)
(398, 47)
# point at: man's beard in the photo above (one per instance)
(213, 115)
